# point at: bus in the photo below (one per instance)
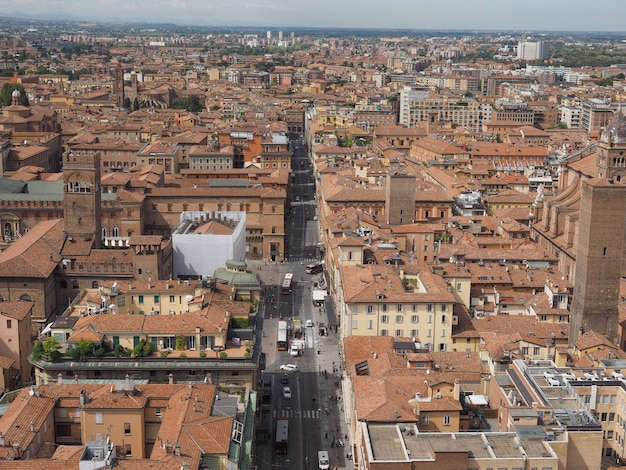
(281, 339)
(282, 436)
(286, 289)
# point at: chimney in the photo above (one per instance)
(32, 427)
(2, 441)
(60, 379)
(127, 379)
(171, 379)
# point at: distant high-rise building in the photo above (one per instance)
(537, 50)
(280, 35)
(408, 95)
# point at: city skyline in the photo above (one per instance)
(557, 15)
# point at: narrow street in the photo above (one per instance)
(315, 407)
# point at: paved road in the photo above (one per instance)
(315, 409)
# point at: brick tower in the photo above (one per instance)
(598, 258)
(81, 196)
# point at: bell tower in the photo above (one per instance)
(611, 160)
(81, 196)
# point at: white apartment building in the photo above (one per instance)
(570, 116)
(409, 95)
(537, 50)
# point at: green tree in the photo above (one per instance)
(51, 349)
(127, 103)
(143, 348)
(191, 104)
(135, 104)
(38, 351)
(7, 91)
(82, 349)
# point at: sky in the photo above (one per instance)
(531, 15)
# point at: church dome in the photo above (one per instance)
(615, 131)
(16, 94)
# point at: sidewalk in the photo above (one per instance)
(337, 441)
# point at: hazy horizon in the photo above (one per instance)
(533, 15)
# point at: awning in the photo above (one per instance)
(47, 329)
(319, 295)
(476, 400)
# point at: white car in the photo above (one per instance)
(286, 392)
(289, 367)
(309, 324)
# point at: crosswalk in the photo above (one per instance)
(295, 258)
(303, 414)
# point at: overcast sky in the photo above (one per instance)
(553, 15)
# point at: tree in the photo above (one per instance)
(127, 103)
(51, 349)
(82, 349)
(143, 348)
(7, 92)
(135, 104)
(191, 104)
(38, 351)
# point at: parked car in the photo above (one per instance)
(289, 367)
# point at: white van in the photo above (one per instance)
(322, 460)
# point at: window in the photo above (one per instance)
(172, 299)
(414, 307)
(536, 351)
(609, 435)
(443, 332)
(430, 318)
(369, 309)
(425, 420)
(384, 333)
(140, 300)
(525, 350)
(415, 319)
(384, 307)
(611, 416)
(128, 450)
(127, 429)
(98, 417)
(158, 412)
(370, 324)
(429, 307)
(399, 333)
(443, 318)
(64, 430)
(414, 333)
(156, 299)
(399, 307)
(446, 420)
(399, 318)
(8, 324)
(428, 333)
(384, 318)
(355, 324)
(459, 287)
(444, 307)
